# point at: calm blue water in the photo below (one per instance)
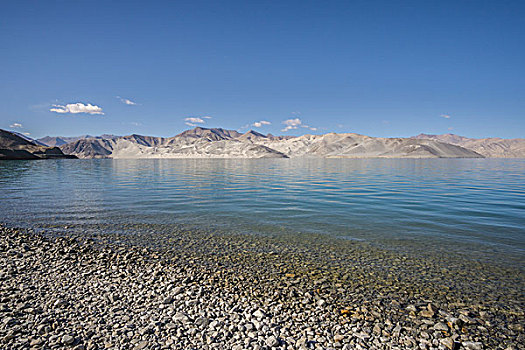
(476, 206)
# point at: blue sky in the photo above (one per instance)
(381, 68)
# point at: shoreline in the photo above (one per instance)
(243, 292)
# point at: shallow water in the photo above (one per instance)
(471, 207)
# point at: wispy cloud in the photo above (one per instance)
(309, 127)
(193, 121)
(126, 101)
(75, 108)
(136, 124)
(295, 123)
(15, 125)
(291, 124)
(446, 116)
(207, 117)
(261, 123)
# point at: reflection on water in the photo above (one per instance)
(475, 205)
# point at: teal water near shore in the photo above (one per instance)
(472, 207)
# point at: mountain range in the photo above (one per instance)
(222, 143)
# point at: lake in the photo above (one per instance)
(471, 207)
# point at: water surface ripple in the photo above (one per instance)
(474, 207)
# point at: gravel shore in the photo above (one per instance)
(245, 292)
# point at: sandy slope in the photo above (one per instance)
(491, 147)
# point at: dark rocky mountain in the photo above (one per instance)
(13, 146)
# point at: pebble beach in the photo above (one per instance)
(246, 292)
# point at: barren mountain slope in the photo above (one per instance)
(90, 148)
(488, 147)
(360, 146)
(57, 141)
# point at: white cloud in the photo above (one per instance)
(207, 117)
(446, 116)
(193, 121)
(126, 101)
(15, 125)
(78, 107)
(292, 124)
(136, 124)
(261, 123)
(309, 127)
(27, 133)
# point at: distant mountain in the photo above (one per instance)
(221, 143)
(57, 141)
(213, 134)
(89, 148)
(349, 145)
(488, 147)
(13, 146)
(252, 137)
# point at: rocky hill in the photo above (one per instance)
(220, 143)
(57, 141)
(491, 147)
(13, 146)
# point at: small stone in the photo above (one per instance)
(60, 303)
(272, 342)
(338, 338)
(440, 326)
(426, 313)
(466, 319)
(141, 345)
(181, 317)
(470, 345)
(259, 314)
(113, 298)
(432, 308)
(36, 342)
(449, 343)
(411, 308)
(67, 340)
